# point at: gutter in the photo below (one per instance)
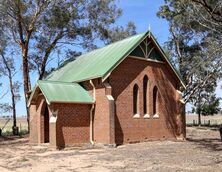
(91, 112)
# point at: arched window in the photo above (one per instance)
(135, 99)
(145, 85)
(155, 94)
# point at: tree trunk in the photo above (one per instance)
(199, 110)
(14, 127)
(26, 79)
(13, 100)
(199, 118)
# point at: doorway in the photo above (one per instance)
(46, 124)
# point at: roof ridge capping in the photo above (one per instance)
(55, 82)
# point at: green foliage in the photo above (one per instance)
(210, 107)
(48, 26)
(195, 42)
(43, 30)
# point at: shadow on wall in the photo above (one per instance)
(167, 100)
(120, 79)
(120, 82)
(170, 112)
(118, 130)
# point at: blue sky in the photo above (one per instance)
(143, 14)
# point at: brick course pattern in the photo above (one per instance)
(72, 126)
(128, 129)
(113, 120)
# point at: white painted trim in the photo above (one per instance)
(155, 116)
(149, 60)
(105, 77)
(150, 52)
(146, 116)
(182, 101)
(53, 119)
(166, 58)
(117, 64)
(179, 92)
(136, 116)
(110, 97)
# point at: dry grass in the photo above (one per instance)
(214, 120)
(21, 123)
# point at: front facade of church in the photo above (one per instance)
(128, 93)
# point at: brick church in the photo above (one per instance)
(125, 92)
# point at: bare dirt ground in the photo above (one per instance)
(201, 152)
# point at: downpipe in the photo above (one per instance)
(91, 112)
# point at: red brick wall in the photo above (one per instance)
(72, 126)
(72, 123)
(36, 120)
(101, 117)
(103, 131)
(128, 129)
(33, 136)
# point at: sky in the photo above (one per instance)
(143, 14)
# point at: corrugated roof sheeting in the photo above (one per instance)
(61, 85)
(64, 92)
(96, 63)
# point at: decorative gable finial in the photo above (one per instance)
(149, 29)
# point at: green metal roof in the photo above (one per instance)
(64, 92)
(61, 85)
(97, 63)
(100, 62)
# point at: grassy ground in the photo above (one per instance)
(201, 152)
(7, 130)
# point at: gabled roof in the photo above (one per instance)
(96, 63)
(62, 92)
(62, 84)
(100, 62)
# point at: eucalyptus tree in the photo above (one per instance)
(195, 41)
(39, 27)
(195, 44)
(8, 70)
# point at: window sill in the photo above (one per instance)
(136, 116)
(155, 116)
(146, 116)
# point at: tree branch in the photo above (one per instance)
(47, 53)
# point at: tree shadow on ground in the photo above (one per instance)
(212, 144)
(12, 139)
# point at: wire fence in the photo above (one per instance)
(6, 124)
(209, 121)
